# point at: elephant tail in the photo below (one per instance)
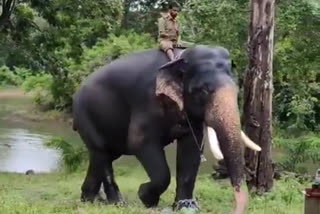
(74, 127)
(75, 101)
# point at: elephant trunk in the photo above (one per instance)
(222, 116)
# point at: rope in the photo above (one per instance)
(203, 159)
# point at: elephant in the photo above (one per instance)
(141, 102)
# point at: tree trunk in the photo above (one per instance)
(258, 88)
(6, 11)
(126, 9)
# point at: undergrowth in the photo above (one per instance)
(60, 193)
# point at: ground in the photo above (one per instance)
(17, 105)
(59, 193)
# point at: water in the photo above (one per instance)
(22, 141)
(21, 150)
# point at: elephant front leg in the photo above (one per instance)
(188, 161)
(152, 157)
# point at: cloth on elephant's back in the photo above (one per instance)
(170, 86)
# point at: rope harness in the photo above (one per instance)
(202, 157)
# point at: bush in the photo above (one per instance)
(73, 156)
(109, 49)
(23, 73)
(40, 86)
(298, 151)
(7, 77)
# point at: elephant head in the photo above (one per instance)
(200, 83)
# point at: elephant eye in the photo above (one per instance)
(220, 65)
(205, 91)
(200, 93)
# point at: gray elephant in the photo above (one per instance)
(131, 107)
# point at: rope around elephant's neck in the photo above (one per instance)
(203, 159)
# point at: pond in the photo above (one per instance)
(22, 149)
(22, 141)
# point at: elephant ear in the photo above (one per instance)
(169, 86)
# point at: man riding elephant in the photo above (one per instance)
(169, 32)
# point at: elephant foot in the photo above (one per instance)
(92, 196)
(148, 199)
(85, 198)
(120, 202)
(188, 204)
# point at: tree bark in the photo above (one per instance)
(258, 89)
(7, 9)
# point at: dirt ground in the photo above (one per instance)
(13, 93)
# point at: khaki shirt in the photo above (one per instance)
(168, 28)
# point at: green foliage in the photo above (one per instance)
(297, 65)
(106, 50)
(298, 151)
(44, 36)
(40, 86)
(23, 73)
(73, 156)
(16, 37)
(209, 22)
(7, 77)
(76, 23)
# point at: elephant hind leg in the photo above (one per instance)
(94, 177)
(110, 186)
(97, 160)
(100, 171)
(100, 165)
(152, 157)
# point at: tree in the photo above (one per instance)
(7, 7)
(258, 89)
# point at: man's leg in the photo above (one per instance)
(170, 54)
(167, 47)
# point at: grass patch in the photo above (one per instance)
(60, 193)
(17, 105)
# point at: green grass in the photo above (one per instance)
(60, 193)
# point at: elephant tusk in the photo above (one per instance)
(215, 147)
(214, 144)
(249, 143)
